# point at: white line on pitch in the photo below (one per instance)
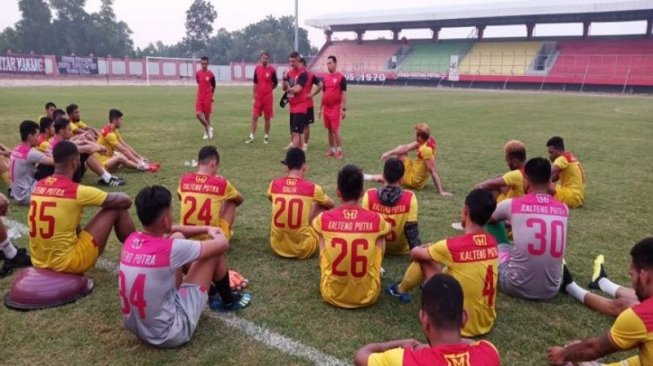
(267, 337)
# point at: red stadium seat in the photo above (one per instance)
(36, 288)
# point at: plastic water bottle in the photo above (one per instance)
(15, 229)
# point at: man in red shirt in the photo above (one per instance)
(265, 81)
(441, 316)
(334, 106)
(294, 82)
(204, 100)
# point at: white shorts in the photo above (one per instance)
(190, 302)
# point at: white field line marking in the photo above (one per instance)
(619, 110)
(267, 337)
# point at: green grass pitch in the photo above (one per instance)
(611, 135)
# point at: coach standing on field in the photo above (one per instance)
(204, 101)
(265, 81)
(294, 80)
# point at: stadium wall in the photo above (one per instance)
(52, 67)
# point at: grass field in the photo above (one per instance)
(609, 134)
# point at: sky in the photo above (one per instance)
(154, 20)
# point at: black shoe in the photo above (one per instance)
(113, 182)
(2, 255)
(567, 278)
(598, 272)
(21, 259)
(10, 195)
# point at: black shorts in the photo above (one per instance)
(297, 122)
(310, 116)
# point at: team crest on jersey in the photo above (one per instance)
(458, 359)
(137, 243)
(350, 214)
(201, 179)
(50, 181)
(542, 198)
(267, 74)
(335, 80)
(480, 240)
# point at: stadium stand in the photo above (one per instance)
(501, 58)
(371, 56)
(604, 61)
(433, 57)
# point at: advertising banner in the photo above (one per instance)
(22, 64)
(74, 65)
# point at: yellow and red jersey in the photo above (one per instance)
(44, 142)
(571, 181)
(416, 172)
(109, 138)
(350, 260)
(291, 234)
(74, 126)
(202, 197)
(634, 329)
(481, 353)
(397, 215)
(472, 259)
(514, 181)
(54, 216)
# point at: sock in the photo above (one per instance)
(412, 278)
(106, 177)
(334, 150)
(224, 290)
(368, 177)
(608, 286)
(267, 136)
(142, 165)
(576, 291)
(251, 136)
(339, 149)
(5, 177)
(8, 249)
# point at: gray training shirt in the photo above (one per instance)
(22, 166)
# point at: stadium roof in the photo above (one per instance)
(499, 13)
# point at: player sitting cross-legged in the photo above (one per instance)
(418, 170)
(471, 258)
(442, 316)
(159, 304)
(295, 203)
(352, 241)
(633, 328)
(398, 207)
(56, 240)
(531, 267)
(208, 199)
